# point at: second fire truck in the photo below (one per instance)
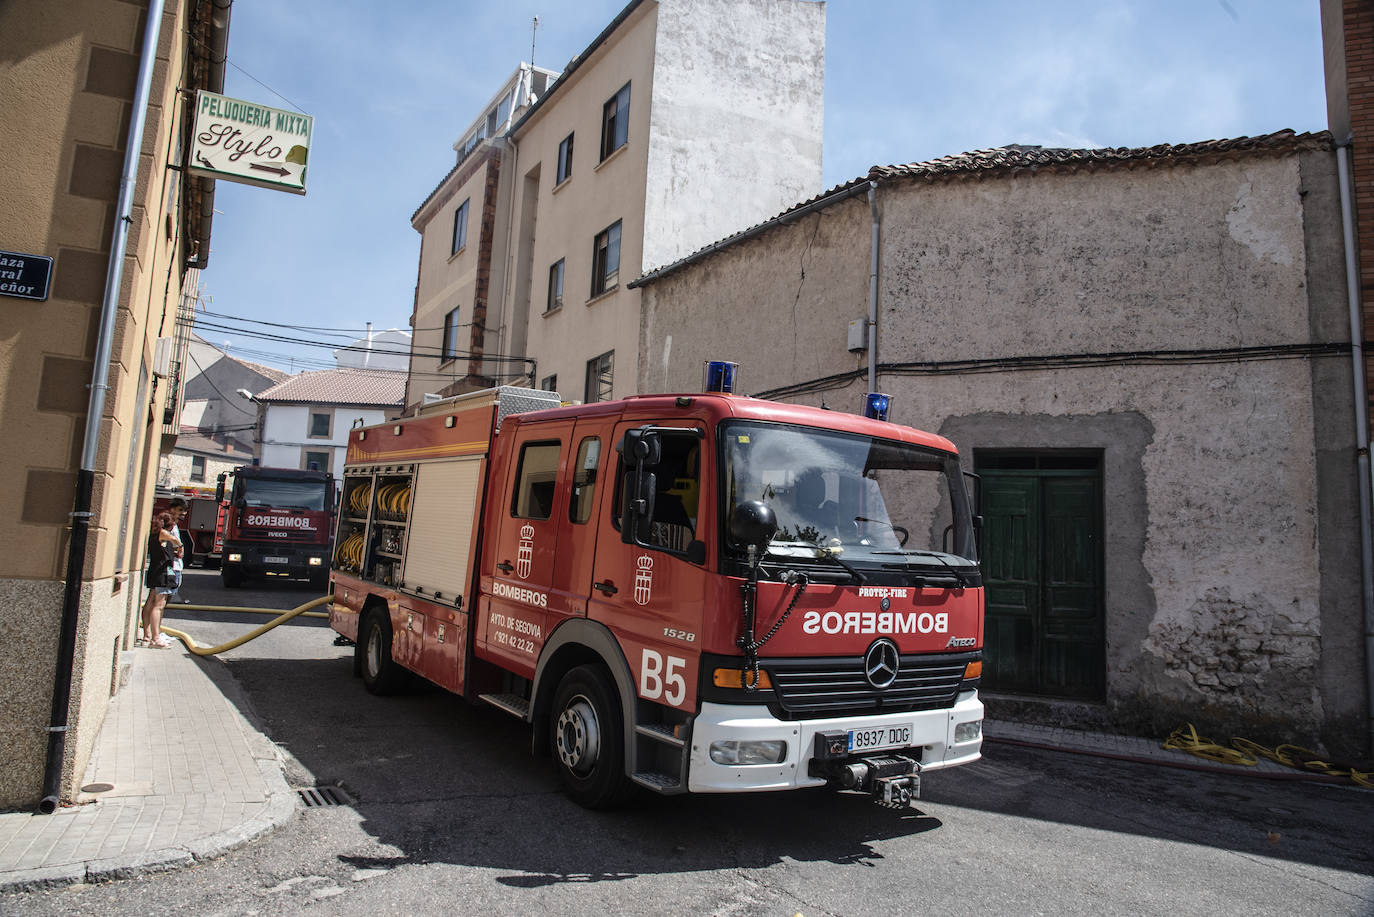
(687, 593)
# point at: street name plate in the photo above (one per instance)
(25, 276)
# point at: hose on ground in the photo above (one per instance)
(1245, 752)
(251, 635)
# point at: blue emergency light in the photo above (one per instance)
(876, 405)
(719, 376)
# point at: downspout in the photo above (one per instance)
(1352, 284)
(873, 292)
(95, 412)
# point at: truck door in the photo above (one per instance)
(590, 463)
(521, 599)
(653, 597)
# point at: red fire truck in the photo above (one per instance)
(688, 593)
(274, 522)
(199, 525)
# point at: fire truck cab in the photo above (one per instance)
(687, 593)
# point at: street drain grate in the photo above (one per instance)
(318, 796)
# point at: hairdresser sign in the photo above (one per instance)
(250, 143)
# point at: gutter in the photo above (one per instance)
(217, 55)
(1352, 284)
(95, 412)
(873, 290)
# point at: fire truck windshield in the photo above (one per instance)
(875, 503)
(276, 493)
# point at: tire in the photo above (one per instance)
(381, 675)
(231, 577)
(588, 738)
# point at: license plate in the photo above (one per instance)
(275, 560)
(879, 737)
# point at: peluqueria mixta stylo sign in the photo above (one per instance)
(250, 143)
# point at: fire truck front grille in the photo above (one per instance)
(287, 535)
(837, 687)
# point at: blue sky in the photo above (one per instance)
(391, 86)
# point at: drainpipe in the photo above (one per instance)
(873, 292)
(1352, 284)
(95, 411)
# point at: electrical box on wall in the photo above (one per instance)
(858, 335)
(162, 356)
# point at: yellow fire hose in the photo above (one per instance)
(253, 634)
(1243, 751)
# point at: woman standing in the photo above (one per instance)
(163, 578)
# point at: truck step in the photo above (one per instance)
(659, 733)
(513, 704)
(659, 783)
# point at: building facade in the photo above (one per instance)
(682, 118)
(1146, 356)
(304, 421)
(86, 84)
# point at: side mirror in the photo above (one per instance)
(219, 490)
(641, 447)
(637, 506)
(753, 525)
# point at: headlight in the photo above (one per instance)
(967, 732)
(234, 558)
(732, 751)
(316, 561)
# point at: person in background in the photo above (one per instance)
(177, 508)
(163, 578)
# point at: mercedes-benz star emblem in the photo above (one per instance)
(881, 663)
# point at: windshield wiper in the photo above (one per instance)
(828, 554)
(954, 571)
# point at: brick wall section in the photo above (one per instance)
(477, 340)
(1359, 63)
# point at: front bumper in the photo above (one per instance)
(287, 560)
(932, 743)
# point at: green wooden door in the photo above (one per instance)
(1042, 573)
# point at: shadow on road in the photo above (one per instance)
(444, 782)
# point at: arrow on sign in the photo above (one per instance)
(261, 168)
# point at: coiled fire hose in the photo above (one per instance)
(251, 635)
(1245, 752)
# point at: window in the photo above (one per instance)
(460, 227)
(677, 492)
(198, 468)
(584, 481)
(606, 259)
(315, 461)
(535, 479)
(615, 122)
(448, 350)
(564, 168)
(555, 286)
(550, 383)
(600, 377)
(320, 423)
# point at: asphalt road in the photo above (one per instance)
(450, 814)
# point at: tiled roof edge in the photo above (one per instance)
(1013, 159)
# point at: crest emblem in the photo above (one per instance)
(644, 579)
(524, 556)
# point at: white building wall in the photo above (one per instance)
(736, 119)
(286, 433)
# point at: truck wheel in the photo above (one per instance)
(588, 738)
(381, 674)
(231, 577)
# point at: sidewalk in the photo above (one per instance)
(188, 779)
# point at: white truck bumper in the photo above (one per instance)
(931, 741)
